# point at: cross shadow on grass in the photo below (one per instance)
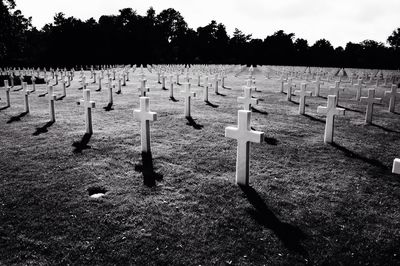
(385, 128)
(18, 89)
(258, 111)
(290, 235)
(314, 118)
(271, 141)
(147, 168)
(108, 108)
(349, 109)
(82, 144)
(220, 94)
(173, 99)
(193, 123)
(43, 129)
(226, 88)
(99, 89)
(211, 104)
(16, 118)
(5, 107)
(164, 89)
(43, 94)
(352, 154)
(60, 98)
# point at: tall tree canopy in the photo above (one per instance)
(165, 37)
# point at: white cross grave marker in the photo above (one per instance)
(358, 87)
(145, 116)
(7, 88)
(331, 111)
(88, 105)
(143, 88)
(396, 166)
(247, 100)
(26, 96)
(393, 95)
(335, 91)
(370, 100)
(318, 84)
(244, 135)
(188, 95)
(52, 98)
(302, 96)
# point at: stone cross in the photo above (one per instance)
(26, 96)
(119, 84)
(163, 82)
(302, 96)
(110, 92)
(145, 116)
(7, 88)
(396, 166)
(52, 98)
(335, 91)
(188, 95)
(358, 87)
(247, 100)
(88, 105)
(393, 95)
(143, 88)
(244, 135)
(331, 111)
(171, 88)
(318, 84)
(33, 83)
(289, 91)
(216, 83)
(370, 100)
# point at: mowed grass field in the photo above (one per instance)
(309, 203)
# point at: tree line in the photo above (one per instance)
(165, 38)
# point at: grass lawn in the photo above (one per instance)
(309, 203)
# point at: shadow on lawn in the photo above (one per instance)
(349, 109)
(173, 99)
(108, 108)
(211, 104)
(290, 235)
(60, 98)
(193, 123)
(352, 154)
(314, 118)
(147, 168)
(385, 129)
(82, 145)
(5, 107)
(258, 111)
(220, 94)
(16, 118)
(43, 129)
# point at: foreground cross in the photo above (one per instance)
(247, 100)
(244, 135)
(188, 95)
(370, 100)
(88, 105)
(396, 166)
(393, 94)
(331, 110)
(145, 116)
(302, 94)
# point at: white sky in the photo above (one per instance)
(338, 21)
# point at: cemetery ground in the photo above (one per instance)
(308, 202)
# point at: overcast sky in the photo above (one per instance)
(338, 21)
